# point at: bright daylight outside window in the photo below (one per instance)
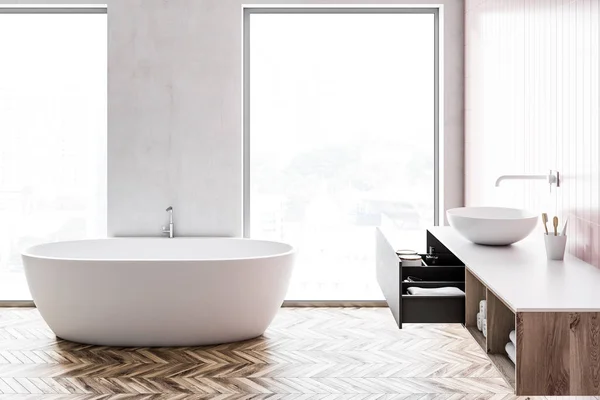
(53, 79)
(341, 140)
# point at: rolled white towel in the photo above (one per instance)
(443, 291)
(483, 307)
(513, 337)
(484, 331)
(479, 322)
(511, 351)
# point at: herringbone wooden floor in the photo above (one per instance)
(306, 354)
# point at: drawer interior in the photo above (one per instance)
(435, 273)
(442, 259)
(432, 284)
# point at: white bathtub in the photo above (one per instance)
(159, 291)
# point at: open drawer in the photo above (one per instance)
(433, 309)
(447, 271)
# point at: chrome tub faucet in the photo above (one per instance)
(168, 230)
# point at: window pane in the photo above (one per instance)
(342, 141)
(53, 79)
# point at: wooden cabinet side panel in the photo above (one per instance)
(543, 367)
(474, 292)
(585, 353)
(558, 354)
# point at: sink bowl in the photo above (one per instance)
(493, 226)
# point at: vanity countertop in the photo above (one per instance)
(521, 275)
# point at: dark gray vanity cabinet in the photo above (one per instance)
(441, 271)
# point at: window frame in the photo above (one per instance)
(46, 9)
(54, 9)
(247, 11)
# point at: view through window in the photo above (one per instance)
(53, 96)
(341, 140)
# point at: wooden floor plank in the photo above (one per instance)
(307, 353)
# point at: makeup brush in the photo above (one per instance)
(545, 221)
(555, 224)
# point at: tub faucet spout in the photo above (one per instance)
(168, 230)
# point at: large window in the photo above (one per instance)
(340, 138)
(53, 95)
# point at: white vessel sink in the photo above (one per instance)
(494, 226)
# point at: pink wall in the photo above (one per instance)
(532, 104)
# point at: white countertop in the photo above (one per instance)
(521, 275)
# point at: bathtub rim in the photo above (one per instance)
(27, 252)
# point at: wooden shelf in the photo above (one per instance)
(500, 361)
(500, 321)
(478, 336)
(505, 366)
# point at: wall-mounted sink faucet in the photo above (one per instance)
(168, 230)
(553, 178)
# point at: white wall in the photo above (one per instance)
(175, 115)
